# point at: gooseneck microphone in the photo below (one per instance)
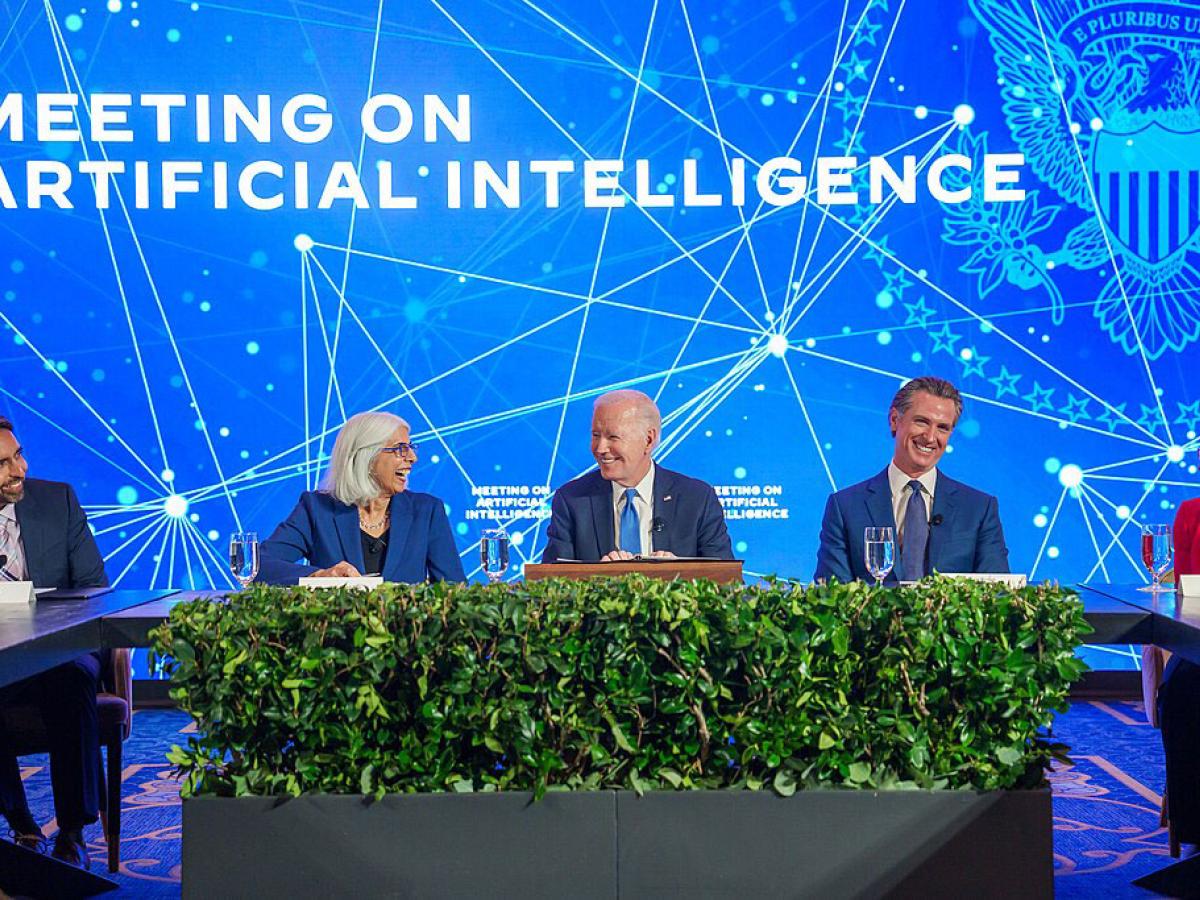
(657, 524)
(936, 520)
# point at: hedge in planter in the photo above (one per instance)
(621, 683)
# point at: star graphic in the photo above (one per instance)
(851, 143)
(1076, 408)
(850, 104)
(861, 213)
(1040, 397)
(1112, 416)
(879, 4)
(1189, 415)
(1005, 382)
(974, 365)
(879, 253)
(918, 313)
(855, 67)
(866, 33)
(944, 339)
(1150, 419)
(897, 283)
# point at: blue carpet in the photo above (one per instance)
(1106, 806)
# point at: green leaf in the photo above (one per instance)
(859, 772)
(784, 784)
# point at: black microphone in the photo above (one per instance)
(657, 524)
(3, 560)
(936, 520)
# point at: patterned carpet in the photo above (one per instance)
(1105, 807)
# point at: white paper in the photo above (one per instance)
(366, 582)
(1015, 580)
(1189, 585)
(12, 592)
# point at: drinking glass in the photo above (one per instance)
(493, 553)
(880, 550)
(1158, 552)
(243, 556)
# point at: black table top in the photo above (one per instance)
(41, 635)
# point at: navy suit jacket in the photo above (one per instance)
(324, 531)
(59, 548)
(688, 519)
(969, 538)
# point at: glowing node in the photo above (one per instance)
(518, 538)
(921, 112)
(965, 354)
(175, 506)
(1096, 124)
(1052, 552)
(1040, 520)
(213, 534)
(303, 243)
(167, 475)
(1070, 476)
(1175, 453)
(964, 114)
(1122, 511)
(114, 6)
(777, 345)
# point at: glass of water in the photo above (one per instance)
(880, 552)
(243, 556)
(1158, 553)
(493, 553)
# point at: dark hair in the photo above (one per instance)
(928, 384)
(5, 424)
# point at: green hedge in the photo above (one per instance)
(620, 683)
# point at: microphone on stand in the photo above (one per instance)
(657, 524)
(936, 520)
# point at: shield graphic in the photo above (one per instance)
(1148, 187)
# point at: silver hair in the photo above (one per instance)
(927, 384)
(643, 407)
(349, 478)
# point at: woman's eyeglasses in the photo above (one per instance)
(400, 449)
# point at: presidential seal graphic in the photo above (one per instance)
(1104, 100)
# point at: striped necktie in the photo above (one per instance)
(13, 567)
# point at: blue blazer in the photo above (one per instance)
(324, 531)
(688, 519)
(968, 539)
(59, 548)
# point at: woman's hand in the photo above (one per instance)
(338, 570)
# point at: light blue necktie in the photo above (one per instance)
(631, 534)
(916, 535)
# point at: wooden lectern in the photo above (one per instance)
(722, 571)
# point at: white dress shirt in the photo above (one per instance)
(898, 482)
(10, 545)
(644, 506)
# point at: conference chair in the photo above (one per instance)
(115, 706)
(1154, 660)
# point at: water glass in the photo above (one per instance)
(880, 552)
(493, 553)
(1158, 552)
(243, 556)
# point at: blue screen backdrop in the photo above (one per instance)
(187, 368)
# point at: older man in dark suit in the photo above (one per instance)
(44, 538)
(632, 507)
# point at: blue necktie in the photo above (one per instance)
(916, 535)
(631, 534)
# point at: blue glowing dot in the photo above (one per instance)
(884, 338)
(916, 357)
(739, 472)
(176, 381)
(258, 259)
(205, 306)
(969, 428)
(61, 365)
(10, 295)
(173, 35)
(547, 268)
(198, 424)
(414, 310)
(18, 266)
(1040, 520)
(73, 22)
(252, 347)
(615, 92)
(884, 299)
(97, 374)
(1053, 464)
(213, 534)
(767, 100)
(18, 340)
(245, 454)
(710, 43)
(741, 546)
(423, 171)
(669, 178)
(127, 495)
(461, 528)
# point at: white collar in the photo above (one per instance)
(9, 512)
(645, 487)
(898, 480)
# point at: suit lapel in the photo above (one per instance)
(945, 500)
(400, 525)
(346, 518)
(879, 502)
(600, 497)
(664, 508)
(33, 533)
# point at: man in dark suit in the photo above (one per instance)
(631, 507)
(44, 538)
(939, 524)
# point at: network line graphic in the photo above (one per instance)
(187, 369)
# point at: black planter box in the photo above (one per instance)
(615, 844)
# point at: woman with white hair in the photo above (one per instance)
(364, 520)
